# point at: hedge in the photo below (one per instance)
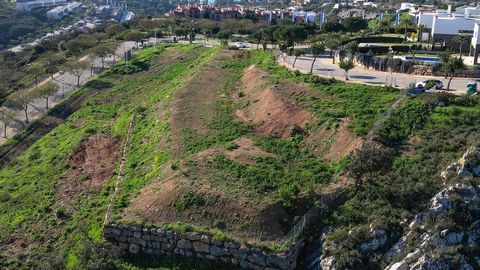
(375, 39)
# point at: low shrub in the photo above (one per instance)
(187, 200)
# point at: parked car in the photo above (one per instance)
(240, 45)
(429, 84)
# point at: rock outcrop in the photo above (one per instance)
(434, 238)
(467, 166)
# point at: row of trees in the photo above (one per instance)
(21, 100)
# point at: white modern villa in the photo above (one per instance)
(444, 25)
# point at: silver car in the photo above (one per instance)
(429, 84)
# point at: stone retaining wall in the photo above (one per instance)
(137, 240)
(427, 71)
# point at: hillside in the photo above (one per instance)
(228, 146)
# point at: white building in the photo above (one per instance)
(303, 16)
(30, 5)
(408, 6)
(443, 25)
(57, 13)
(60, 12)
(475, 43)
(444, 29)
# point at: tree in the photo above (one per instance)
(461, 39)
(284, 35)
(51, 62)
(354, 24)
(267, 37)
(76, 68)
(297, 53)
(451, 66)
(78, 45)
(352, 47)
(369, 160)
(224, 36)
(11, 77)
(113, 49)
(374, 26)
(406, 20)
(208, 27)
(444, 58)
(346, 66)
(102, 51)
(193, 29)
(421, 29)
(332, 43)
(46, 91)
(35, 70)
(114, 29)
(332, 26)
(257, 36)
(316, 49)
(6, 117)
(133, 35)
(21, 100)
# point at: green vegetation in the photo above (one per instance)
(403, 181)
(411, 115)
(146, 158)
(187, 200)
(340, 100)
(29, 183)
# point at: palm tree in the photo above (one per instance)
(406, 20)
(421, 29)
(461, 40)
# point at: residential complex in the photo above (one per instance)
(28, 6)
(213, 12)
(443, 25)
(60, 12)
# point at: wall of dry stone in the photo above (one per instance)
(139, 241)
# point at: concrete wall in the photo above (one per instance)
(138, 241)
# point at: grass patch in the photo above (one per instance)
(363, 104)
(30, 180)
(188, 200)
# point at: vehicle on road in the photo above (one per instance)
(429, 84)
(240, 45)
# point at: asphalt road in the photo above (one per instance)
(324, 67)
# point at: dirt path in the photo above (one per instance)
(121, 169)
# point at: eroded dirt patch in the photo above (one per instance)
(192, 105)
(241, 217)
(345, 142)
(245, 153)
(268, 108)
(91, 167)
